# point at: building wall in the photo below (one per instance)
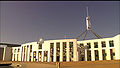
(35, 51)
(24, 54)
(1, 53)
(7, 56)
(115, 49)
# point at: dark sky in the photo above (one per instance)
(23, 22)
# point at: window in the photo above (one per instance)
(71, 50)
(111, 43)
(30, 48)
(15, 50)
(64, 51)
(18, 50)
(95, 44)
(64, 44)
(103, 44)
(58, 48)
(89, 45)
(40, 46)
(51, 49)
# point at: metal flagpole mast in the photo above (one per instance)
(88, 27)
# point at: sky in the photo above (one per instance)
(23, 21)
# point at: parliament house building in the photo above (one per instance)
(66, 50)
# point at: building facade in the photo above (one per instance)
(65, 50)
(6, 51)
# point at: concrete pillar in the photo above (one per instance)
(42, 56)
(32, 56)
(108, 50)
(54, 52)
(85, 44)
(68, 58)
(28, 57)
(23, 53)
(4, 54)
(100, 50)
(116, 42)
(12, 54)
(16, 54)
(61, 52)
(49, 55)
(92, 52)
(75, 56)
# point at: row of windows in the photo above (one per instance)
(104, 54)
(17, 50)
(103, 44)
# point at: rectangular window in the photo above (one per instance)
(51, 51)
(58, 48)
(96, 55)
(89, 45)
(18, 50)
(111, 43)
(40, 46)
(103, 44)
(88, 55)
(15, 51)
(104, 54)
(81, 52)
(64, 51)
(112, 54)
(95, 44)
(39, 55)
(30, 48)
(58, 51)
(71, 50)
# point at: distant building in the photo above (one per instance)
(6, 51)
(68, 50)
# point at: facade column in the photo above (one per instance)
(12, 54)
(4, 54)
(22, 53)
(92, 52)
(32, 56)
(42, 56)
(116, 43)
(49, 55)
(68, 57)
(25, 54)
(85, 51)
(17, 54)
(55, 52)
(100, 50)
(108, 50)
(28, 57)
(75, 56)
(61, 52)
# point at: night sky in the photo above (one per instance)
(23, 22)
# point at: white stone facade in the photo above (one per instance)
(68, 50)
